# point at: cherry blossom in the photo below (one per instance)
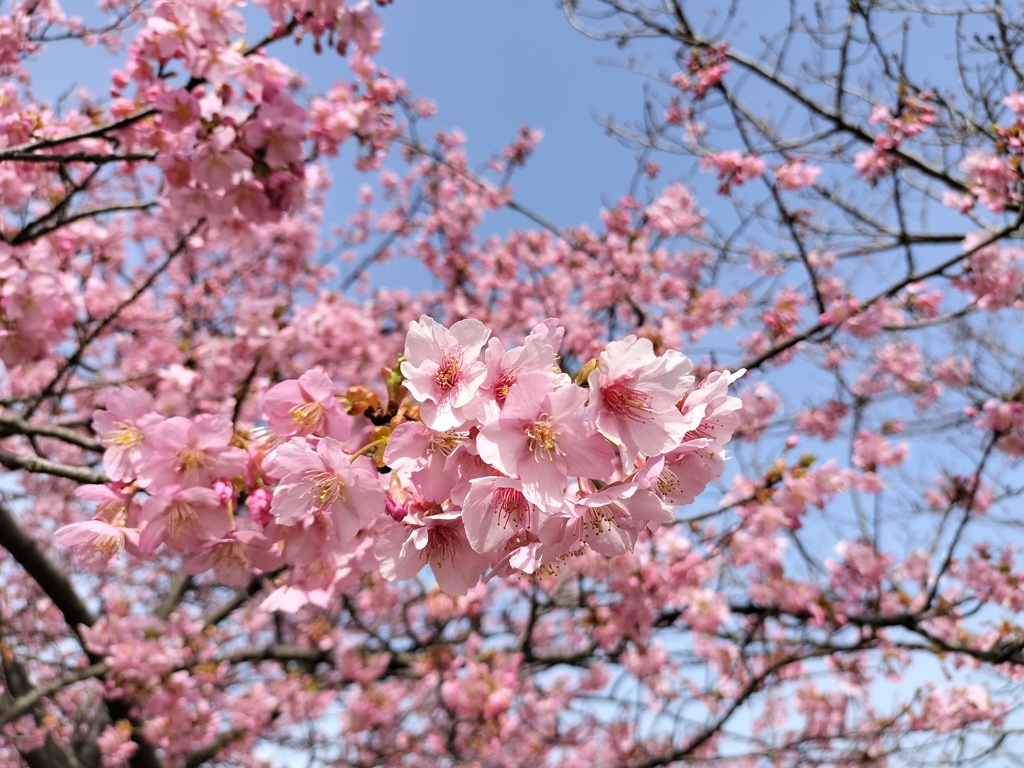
(331, 434)
(634, 397)
(442, 368)
(541, 438)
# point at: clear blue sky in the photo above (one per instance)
(494, 65)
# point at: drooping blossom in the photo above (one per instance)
(437, 540)
(494, 509)
(234, 558)
(990, 179)
(608, 520)
(687, 471)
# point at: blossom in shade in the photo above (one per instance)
(185, 452)
(494, 509)
(437, 540)
(234, 557)
(609, 520)
(321, 482)
(306, 406)
(430, 458)
(121, 429)
(184, 519)
(442, 368)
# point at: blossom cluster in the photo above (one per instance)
(914, 115)
(503, 464)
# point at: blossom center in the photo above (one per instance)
(126, 435)
(667, 483)
(108, 546)
(599, 519)
(626, 402)
(703, 431)
(443, 543)
(503, 384)
(191, 459)
(233, 556)
(182, 518)
(114, 510)
(511, 506)
(448, 372)
(542, 437)
(327, 488)
(307, 415)
(445, 443)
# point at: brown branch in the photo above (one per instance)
(37, 465)
(12, 425)
(887, 293)
(51, 579)
(80, 157)
(28, 699)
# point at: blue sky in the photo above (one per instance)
(494, 65)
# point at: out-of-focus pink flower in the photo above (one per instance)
(306, 406)
(795, 174)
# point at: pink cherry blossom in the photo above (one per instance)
(538, 353)
(121, 428)
(494, 510)
(306, 406)
(634, 395)
(233, 557)
(183, 518)
(320, 482)
(189, 452)
(795, 174)
(439, 541)
(432, 459)
(608, 520)
(541, 438)
(95, 542)
(990, 180)
(442, 368)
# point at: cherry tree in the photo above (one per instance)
(727, 478)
